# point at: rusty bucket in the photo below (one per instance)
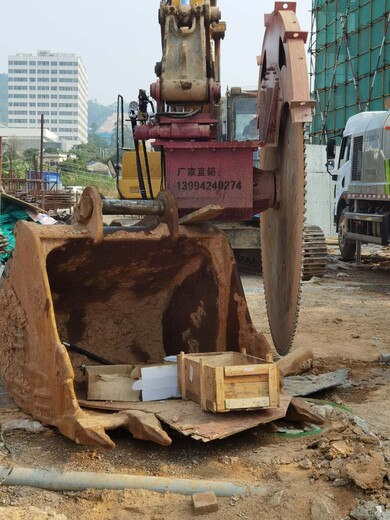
(130, 295)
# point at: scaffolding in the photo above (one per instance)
(349, 62)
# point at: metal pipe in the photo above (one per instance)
(132, 207)
(90, 355)
(78, 481)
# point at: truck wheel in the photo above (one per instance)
(347, 247)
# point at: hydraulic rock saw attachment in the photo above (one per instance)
(132, 295)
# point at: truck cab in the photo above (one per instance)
(362, 182)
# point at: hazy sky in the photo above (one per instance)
(119, 40)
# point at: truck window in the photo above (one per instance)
(345, 151)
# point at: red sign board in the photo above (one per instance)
(199, 176)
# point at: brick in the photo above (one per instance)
(204, 503)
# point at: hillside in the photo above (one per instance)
(97, 113)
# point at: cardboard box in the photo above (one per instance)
(224, 381)
(158, 382)
(111, 383)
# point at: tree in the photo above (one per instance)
(30, 155)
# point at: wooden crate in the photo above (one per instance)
(224, 381)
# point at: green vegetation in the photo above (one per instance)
(74, 174)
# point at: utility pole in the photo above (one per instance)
(41, 176)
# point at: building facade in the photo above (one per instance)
(350, 51)
(54, 85)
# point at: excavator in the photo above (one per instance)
(135, 294)
(138, 175)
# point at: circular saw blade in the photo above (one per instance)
(282, 234)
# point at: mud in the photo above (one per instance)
(341, 469)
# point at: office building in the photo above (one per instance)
(51, 84)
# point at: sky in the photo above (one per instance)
(119, 41)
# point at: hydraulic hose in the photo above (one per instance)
(78, 481)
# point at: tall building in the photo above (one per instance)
(350, 61)
(54, 85)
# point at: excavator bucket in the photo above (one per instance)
(130, 295)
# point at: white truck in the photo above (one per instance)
(362, 182)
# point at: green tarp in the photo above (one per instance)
(10, 213)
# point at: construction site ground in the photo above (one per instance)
(341, 472)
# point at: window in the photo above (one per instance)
(43, 96)
(32, 63)
(44, 63)
(53, 88)
(68, 80)
(54, 80)
(32, 96)
(32, 71)
(18, 79)
(17, 63)
(43, 104)
(19, 71)
(43, 80)
(17, 112)
(68, 63)
(43, 88)
(32, 104)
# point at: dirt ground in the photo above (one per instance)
(341, 472)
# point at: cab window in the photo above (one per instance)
(345, 150)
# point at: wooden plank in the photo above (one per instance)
(243, 370)
(185, 416)
(219, 390)
(243, 391)
(237, 404)
(182, 375)
(273, 381)
(210, 388)
(262, 378)
(202, 385)
(202, 215)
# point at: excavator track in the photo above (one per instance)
(314, 252)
